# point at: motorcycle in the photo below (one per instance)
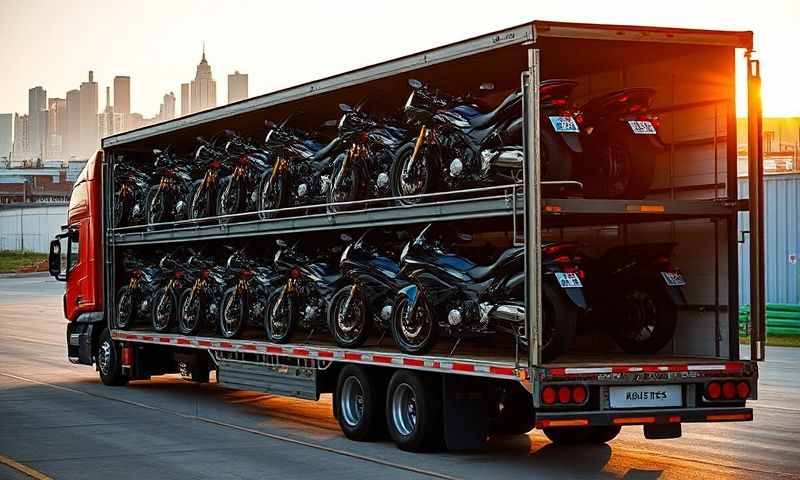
(363, 171)
(133, 298)
(451, 293)
(167, 201)
(372, 272)
(310, 282)
(639, 289)
(129, 197)
(198, 302)
(247, 293)
(208, 158)
(238, 192)
(458, 145)
(165, 299)
(620, 140)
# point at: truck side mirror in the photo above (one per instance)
(54, 260)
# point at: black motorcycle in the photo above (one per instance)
(621, 142)
(134, 297)
(635, 292)
(244, 302)
(362, 172)
(371, 268)
(166, 201)
(311, 280)
(132, 184)
(209, 159)
(238, 191)
(458, 146)
(175, 276)
(451, 293)
(199, 300)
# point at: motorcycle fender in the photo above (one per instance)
(575, 295)
(411, 292)
(573, 141)
(675, 295)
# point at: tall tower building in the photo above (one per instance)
(186, 100)
(122, 94)
(6, 130)
(90, 140)
(37, 118)
(204, 88)
(237, 86)
(105, 120)
(22, 145)
(56, 124)
(167, 111)
(72, 131)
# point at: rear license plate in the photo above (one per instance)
(673, 279)
(645, 396)
(642, 127)
(564, 124)
(569, 280)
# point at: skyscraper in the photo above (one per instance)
(237, 86)
(6, 129)
(22, 145)
(89, 135)
(56, 124)
(167, 110)
(204, 88)
(186, 100)
(37, 118)
(122, 94)
(72, 132)
(105, 119)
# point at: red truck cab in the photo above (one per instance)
(76, 257)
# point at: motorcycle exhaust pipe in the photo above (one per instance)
(508, 312)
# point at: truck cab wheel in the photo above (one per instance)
(108, 364)
(414, 411)
(358, 403)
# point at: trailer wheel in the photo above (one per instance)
(358, 403)
(108, 364)
(414, 411)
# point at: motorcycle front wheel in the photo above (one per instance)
(164, 309)
(348, 321)
(347, 191)
(120, 212)
(280, 319)
(156, 205)
(273, 195)
(416, 182)
(645, 319)
(232, 314)
(413, 331)
(200, 205)
(125, 308)
(191, 308)
(229, 199)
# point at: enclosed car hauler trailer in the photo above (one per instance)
(584, 395)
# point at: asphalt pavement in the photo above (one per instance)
(60, 421)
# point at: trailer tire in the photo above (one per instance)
(358, 403)
(414, 411)
(108, 364)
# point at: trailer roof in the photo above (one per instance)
(502, 38)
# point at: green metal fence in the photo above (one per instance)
(782, 319)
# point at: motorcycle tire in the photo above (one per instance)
(279, 324)
(556, 157)
(200, 207)
(229, 192)
(559, 322)
(272, 197)
(191, 313)
(643, 299)
(396, 172)
(349, 195)
(124, 320)
(359, 331)
(154, 214)
(161, 324)
(120, 212)
(234, 328)
(625, 164)
(401, 337)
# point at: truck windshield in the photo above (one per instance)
(73, 250)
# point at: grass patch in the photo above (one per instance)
(776, 340)
(11, 261)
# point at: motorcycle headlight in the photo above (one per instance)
(409, 101)
(344, 254)
(404, 252)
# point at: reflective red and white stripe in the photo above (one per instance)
(476, 368)
(579, 371)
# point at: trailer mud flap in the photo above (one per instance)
(466, 425)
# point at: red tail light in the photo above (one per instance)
(548, 395)
(578, 116)
(743, 390)
(564, 395)
(579, 394)
(713, 391)
(729, 390)
(559, 101)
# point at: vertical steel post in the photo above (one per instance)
(533, 211)
(755, 166)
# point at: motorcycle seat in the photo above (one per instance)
(484, 271)
(480, 121)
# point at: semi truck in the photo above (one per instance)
(459, 394)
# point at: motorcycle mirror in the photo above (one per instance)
(414, 84)
(281, 243)
(345, 108)
(346, 238)
(487, 86)
(464, 237)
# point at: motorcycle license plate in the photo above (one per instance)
(642, 127)
(673, 279)
(564, 124)
(645, 396)
(568, 280)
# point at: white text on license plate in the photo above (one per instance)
(673, 279)
(569, 280)
(564, 124)
(642, 127)
(645, 396)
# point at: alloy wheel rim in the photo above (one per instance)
(352, 401)
(104, 357)
(347, 322)
(124, 311)
(190, 314)
(409, 187)
(163, 312)
(231, 322)
(404, 409)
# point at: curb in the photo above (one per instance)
(25, 275)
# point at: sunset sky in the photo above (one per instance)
(158, 43)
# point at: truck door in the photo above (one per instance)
(77, 291)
